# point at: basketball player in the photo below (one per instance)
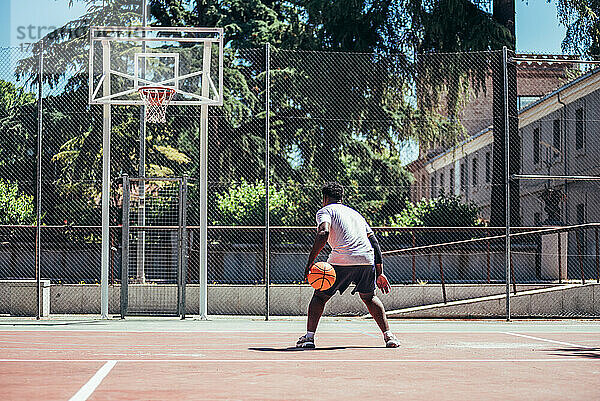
(356, 258)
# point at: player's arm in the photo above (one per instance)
(318, 245)
(382, 281)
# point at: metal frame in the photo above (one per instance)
(99, 34)
(555, 177)
(102, 35)
(508, 255)
(182, 243)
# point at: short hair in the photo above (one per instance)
(333, 190)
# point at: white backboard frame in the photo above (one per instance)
(105, 36)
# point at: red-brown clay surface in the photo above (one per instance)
(260, 365)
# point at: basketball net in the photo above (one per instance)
(156, 99)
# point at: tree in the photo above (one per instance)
(17, 142)
(442, 211)
(15, 206)
(582, 20)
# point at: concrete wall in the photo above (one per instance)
(18, 297)
(566, 301)
(286, 300)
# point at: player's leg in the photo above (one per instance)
(377, 310)
(365, 285)
(315, 311)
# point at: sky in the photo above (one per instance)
(537, 26)
(22, 21)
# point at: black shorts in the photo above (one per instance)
(362, 275)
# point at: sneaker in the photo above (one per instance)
(305, 342)
(391, 341)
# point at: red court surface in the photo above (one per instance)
(437, 361)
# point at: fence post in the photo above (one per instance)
(597, 257)
(184, 244)
(487, 233)
(125, 247)
(267, 250)
(507, 211)
(442, 277)
(179, 245)
(414, 262)
(559, 243)
(38, 232)
(512, 275)
(580, 256)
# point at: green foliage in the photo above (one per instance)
(15, 206)
(582, 20)
(17, 142)
(439, 212)
(244, 205)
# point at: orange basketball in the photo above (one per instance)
(321, 276)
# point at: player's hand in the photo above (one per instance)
(383, 283)
(306, 271)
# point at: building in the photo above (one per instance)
(559, 136)
(466, 169)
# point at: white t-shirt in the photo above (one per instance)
(347, 236)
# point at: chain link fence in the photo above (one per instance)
(418, 145)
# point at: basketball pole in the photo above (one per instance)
(106, 121)
(203, 283)
(141, 248)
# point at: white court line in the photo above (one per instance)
(89, 387)
(545, 339)
(262, 361)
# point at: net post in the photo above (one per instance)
(125, 247)
(267, 183)
(106, 128)
(507, 211)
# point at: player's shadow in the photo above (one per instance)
(294, 349)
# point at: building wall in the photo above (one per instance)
(582, 198)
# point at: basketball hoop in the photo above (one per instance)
(156, 99)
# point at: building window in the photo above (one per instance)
(580, 214)
(463, 177)
(441, 192)
(451, 181)
(556, 134)
(488, 167)
(474, 171)
(579, 129)
(536, 219)
(536, 146)
(432, 189)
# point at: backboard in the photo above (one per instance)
(188, 60)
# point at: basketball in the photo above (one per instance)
(321, 276)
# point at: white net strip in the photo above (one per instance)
(156, 100)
